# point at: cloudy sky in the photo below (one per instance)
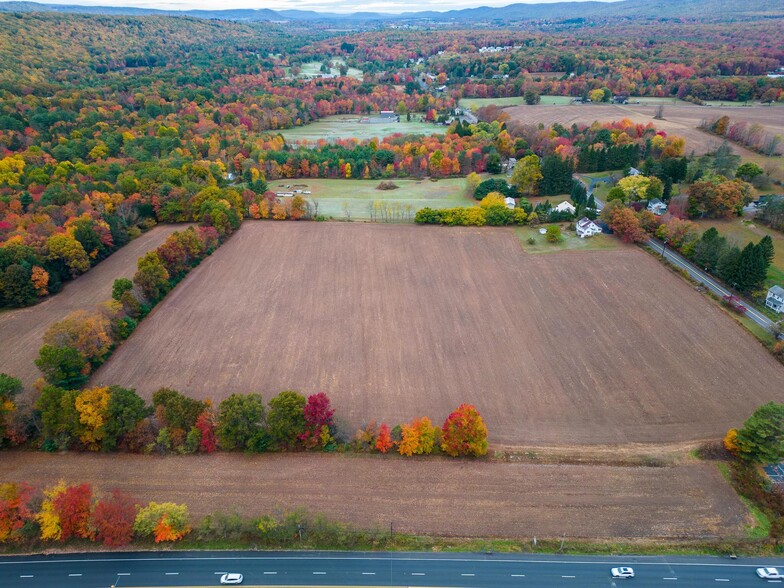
(393, 6)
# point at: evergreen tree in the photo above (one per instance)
(728, 265)
(556, 176)
(751, 268)
(709, 249)
(768, 252)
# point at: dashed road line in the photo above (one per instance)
(468, 575)
(518, 575)
(74, 575)
(270, 573)
(368, 573)
(319, 573)
(27, 576)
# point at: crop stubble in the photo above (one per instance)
(430, 496)
(396, 321)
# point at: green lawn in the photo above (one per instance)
(313, 68)
(741, 232)
(570, 241)
(344, 126)
(359, 195)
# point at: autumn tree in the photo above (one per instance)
(717, 199)
(418, 437)
(165, 521)
(526, 175)
(318, 421)
(113, 518)
(205, 424)
(73, 507)
(86, 332)
(9, 388)
(92, 406)
(623, 222)
(15, 510)
(48, 518)
(464, 433)
(383, 439)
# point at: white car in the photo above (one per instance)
(231, 579)
(770, 573)
(622, 572)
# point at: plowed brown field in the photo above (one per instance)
(22, 330)
(395, 321)
(431, 496)
(680, 119)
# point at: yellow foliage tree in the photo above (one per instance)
(92, 405)
(492, 199)
(47, 517)
(87, 332)
(40, 279)
(731, 441)
(279, 210)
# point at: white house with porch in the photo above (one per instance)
(657, 207)
(775, 299)
(585, 227)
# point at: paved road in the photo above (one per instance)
(370, 569)
(705, 279)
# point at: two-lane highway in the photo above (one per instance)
(458, 570)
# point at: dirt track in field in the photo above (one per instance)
(433, 496)
(396, 321)
(681, 120)
(22, 330)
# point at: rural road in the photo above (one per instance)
(702, 277)
(126, 570)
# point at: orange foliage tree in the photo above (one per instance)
(464, 433)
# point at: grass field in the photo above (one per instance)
(474, 103)
(313, 68)
(22, 330)
(396, 321)
(570, 242)
(741, 232)
(494, 499)
(331, 128)
(359, 195)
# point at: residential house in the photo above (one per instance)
(657, 207)
(565, 207)
(633, 171)
(775, 299)
(509, 202)
(585, 227)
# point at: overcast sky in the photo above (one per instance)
(393, 6)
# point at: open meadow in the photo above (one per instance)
(462, 498)
(334, 196)
(22, 330)
(343, 126)
(397, 321)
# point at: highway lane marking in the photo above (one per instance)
(722, 579)
(518, 575)
(30, 576)
(124, 574)
(469, 575)
(380, 559)
(270, 573)
(368, 573)
(417, 573)
(172, 574)
(669, 578)
(319, 573)
(74, 575)
(567, 576)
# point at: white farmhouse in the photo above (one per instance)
(657, 207)
(775, 299)
(585, 227)
(565, 207)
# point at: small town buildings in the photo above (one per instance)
(585, 227)
(565, 207)
(775, 299)
(657, 207)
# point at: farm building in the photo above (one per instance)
(509, 202)
(585, 227)
(775, 299)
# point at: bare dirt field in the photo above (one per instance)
(22, 330)
(396, 321)
(506, 500)
(680, 119)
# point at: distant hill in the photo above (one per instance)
(697, 9)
